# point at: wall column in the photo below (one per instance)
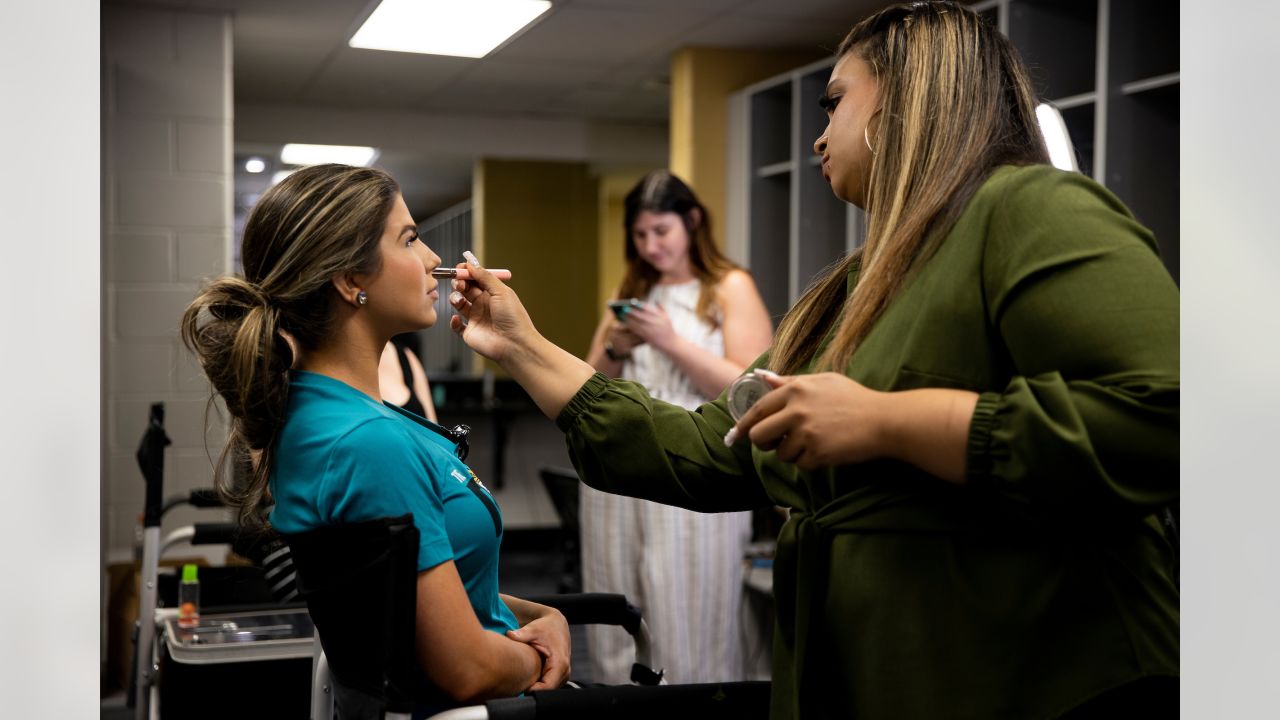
(167, 226)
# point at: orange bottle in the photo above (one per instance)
(189, 598)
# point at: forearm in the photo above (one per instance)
(550, 375)
(509, 669)
(524, 610)
(710, 373)
(625, 442)
(929, 428)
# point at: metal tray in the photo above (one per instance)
(242, 637)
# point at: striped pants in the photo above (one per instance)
(683, 569)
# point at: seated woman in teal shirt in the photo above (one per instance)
(333, 263)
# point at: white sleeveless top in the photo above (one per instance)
(656, 371)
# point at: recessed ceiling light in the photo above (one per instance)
(470, 28)
(299, 154)
(255, 165)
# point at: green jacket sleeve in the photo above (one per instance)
(625, 442)
(1089, 321)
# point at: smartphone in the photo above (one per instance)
(620, 308)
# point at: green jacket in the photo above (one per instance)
(1042, 582)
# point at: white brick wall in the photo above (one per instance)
(167, 226)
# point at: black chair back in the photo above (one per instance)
(562, 486)
(359, 581)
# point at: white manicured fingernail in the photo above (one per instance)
(471, 258)
(769, 373)
(731, 437)
(455, 297)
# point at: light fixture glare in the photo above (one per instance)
(301, 154)
(1061, 152)
(446, 27)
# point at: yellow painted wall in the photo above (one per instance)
(701, 81)
(540, 220)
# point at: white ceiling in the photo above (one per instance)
(583, 64)
(583, 58)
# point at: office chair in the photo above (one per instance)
(360, 584)
(359, 581)
(562, 486)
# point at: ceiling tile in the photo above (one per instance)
(357, 77)
(743, 31)
(844, 12)
(273, 73)
(601, 37)
(491, 99)
(329, 23)
(665, 4)
(499, 71)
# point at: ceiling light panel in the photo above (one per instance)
(446, 27)
(300, 154)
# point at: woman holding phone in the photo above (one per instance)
(684, 323)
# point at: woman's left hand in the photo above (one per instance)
(549, 635)
(817, 420)
(652, 325)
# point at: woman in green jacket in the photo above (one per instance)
(974, 419)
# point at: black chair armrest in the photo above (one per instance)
(706, 701)
(594, 609)
(221, 533)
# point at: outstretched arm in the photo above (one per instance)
(494, 323)
(621, 439)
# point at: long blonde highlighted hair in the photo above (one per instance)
(955, 103)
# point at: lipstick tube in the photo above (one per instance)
(464, 274)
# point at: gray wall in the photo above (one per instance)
(167, 184)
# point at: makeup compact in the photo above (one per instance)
(745, 392)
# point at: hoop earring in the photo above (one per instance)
(866, 130)
(362, 298)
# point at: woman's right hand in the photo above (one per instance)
(493, 322)
(491, 319)
(623, 339)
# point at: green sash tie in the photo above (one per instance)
(800, 570)
(799, 586)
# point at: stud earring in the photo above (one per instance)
(362, 298)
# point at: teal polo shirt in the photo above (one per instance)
(345, 457)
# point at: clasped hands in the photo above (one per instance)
(549, 635)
